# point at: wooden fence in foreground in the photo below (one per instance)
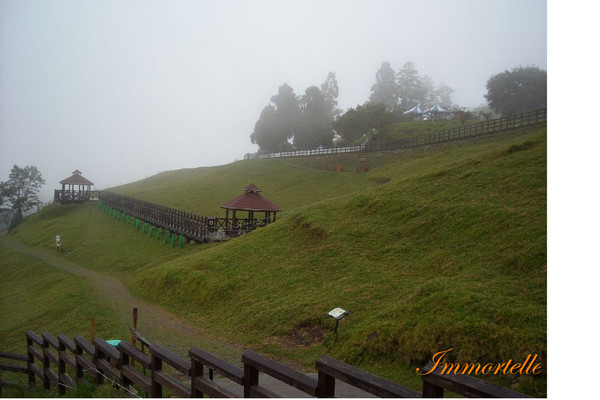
(63, 363)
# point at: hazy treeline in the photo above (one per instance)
(294, 122)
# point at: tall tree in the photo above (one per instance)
(277, 121)
(267, 132)
(22, 189)
(330, 90)
(517, 90)
(385, 89)
(443, 95)
(287, 110)
(315, 127)
(411, 89)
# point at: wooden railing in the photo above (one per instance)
(12, 367)
(445, 135)
(435, 382)
(172, 223)
(128, 367)
(489, 127)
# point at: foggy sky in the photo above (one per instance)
(124, 89)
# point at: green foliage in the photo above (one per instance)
(356, 123)
(277, 122)
(315, 126)
(307, 120)
(402, 91)
(518, 90)
(21, 190)
(385, 89)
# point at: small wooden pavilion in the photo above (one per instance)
(75, 189)
(252, 202)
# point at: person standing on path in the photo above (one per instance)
(58, 243)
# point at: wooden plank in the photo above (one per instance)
(68, 359)
(137, 377)
(209, 360)
(51, 340)
(67, 342)
(85, 345)
(37, 353)
(36, 370)
(262, 392)
(67, 380)
(13, 356)
(87, 366)
(172, 359)
(171, 383)
(13, 368)
(106, 349)
(31, 335)
(467, 385)
(107, 369)
(51, 355)
(135, 353)
(281, 372)
(52, 376)
(211, 388)
(361, 379)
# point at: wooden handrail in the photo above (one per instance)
(202, 385)
(117, 364)
(435, 382)
(129, 374)
(159, 355)
(254, 362)
(330, 369)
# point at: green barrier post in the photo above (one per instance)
(181, 241)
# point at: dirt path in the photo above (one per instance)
(154, 323)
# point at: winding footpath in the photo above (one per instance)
(154, 323)
(162, 327)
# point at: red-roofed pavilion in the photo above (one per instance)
(75, 189)
(251, 201)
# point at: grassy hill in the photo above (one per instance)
(430, 249)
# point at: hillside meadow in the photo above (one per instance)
(431, 249)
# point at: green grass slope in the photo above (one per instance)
(41, 298)
(203, 190)
(450, 252)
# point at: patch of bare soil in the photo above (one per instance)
(303, 336)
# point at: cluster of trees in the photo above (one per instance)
(403, 90)
(21, 191)
(517, 90)
(313, 120)
(307, 120)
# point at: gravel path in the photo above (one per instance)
(154, 323)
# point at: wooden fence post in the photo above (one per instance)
(155, 366)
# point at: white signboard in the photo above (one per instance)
(338, 313)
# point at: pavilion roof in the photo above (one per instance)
(251, 200)
(76, 179)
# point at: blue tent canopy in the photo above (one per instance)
(438, 109)
(416, 110)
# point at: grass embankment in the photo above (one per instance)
(40, 298)
(449, 253)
